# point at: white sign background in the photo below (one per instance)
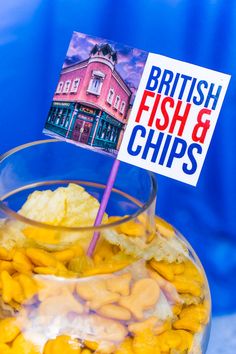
(175, 171)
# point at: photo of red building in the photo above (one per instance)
(91, 102)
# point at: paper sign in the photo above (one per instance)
(152, 111)
(173, 118)
(95, 93)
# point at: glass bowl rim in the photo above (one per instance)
(14, 215)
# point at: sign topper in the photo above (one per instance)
(173, 118)
(152, 111)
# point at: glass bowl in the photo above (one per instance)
(143, 290)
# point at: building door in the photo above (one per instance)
(81, 131)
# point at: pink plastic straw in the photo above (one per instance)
(103, 205)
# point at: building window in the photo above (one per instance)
(67, 86)
(75, 85)
(122, 107)
(117, 102)
(95, 84)
(110, 95)
(59, 87)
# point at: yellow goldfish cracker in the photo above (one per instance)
(86, 351)
(178, 268)
(161, 327)
(15, 305)
(187, 340)
(177, 308)
(111, 265)
(164, 228)
(22, 345)
(103, 251)
(139, 327)
(5, 349)
(77, 249)
(126, 347)
(46, 270)
(62, 344)
(8, 266)
(163, 268)
(187, 324)
(119, 284)
(42, 236)
(96, 293)
(189, 299)
(170, 340)
(132, 228)
(191, 271)
(65, 302)
(4, 254)
(21, 262)
(64, 256)
(198, 313)
(146, 343)
(114, 311)
(107, 330)
(106, 348)
(47, 288)
(91, 345)
(28, 285)
(187, 286)
(41, 258)
(144, 294)
(11, 289)
(13, 250)
(61, 267)
(8, 330)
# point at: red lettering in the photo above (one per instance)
(171, 103)
(178, 117)
(202, 126)
(143, 106)
(154, 110)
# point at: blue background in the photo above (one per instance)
(34, 36)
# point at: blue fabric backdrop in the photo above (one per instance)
(34, 36)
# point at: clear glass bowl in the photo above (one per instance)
(143, 291)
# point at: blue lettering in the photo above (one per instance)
(177, 154)
(130, 148)
(191, 89)
(199, 90)
(185, 78)
(166, 79)
(193, 168)
(153, 78)
(152, 145)
(174, 85)
(165, 149)
(215, 96)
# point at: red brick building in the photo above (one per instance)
(91, 101)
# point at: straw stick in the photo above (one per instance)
(103, 205)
